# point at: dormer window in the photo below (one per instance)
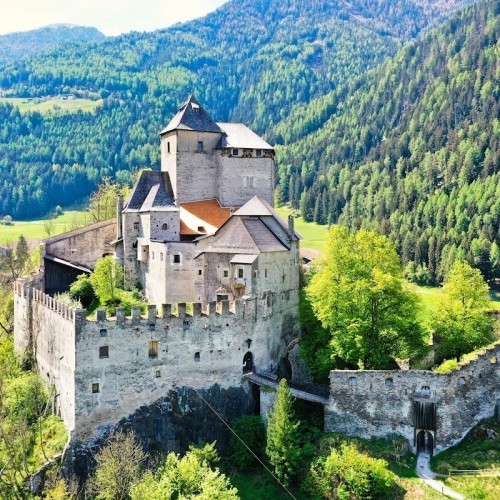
(200, 147)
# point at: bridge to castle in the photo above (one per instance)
(313, 395)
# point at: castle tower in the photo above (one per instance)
(207, 160)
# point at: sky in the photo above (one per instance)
(112, 17)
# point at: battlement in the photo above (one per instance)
(221, 309)
(25, 291)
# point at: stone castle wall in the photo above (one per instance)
(380, 403)
(106, 369)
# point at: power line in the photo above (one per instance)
(245, 445)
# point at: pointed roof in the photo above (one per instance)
(153, 191)
(191, 116)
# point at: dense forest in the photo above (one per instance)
(23, 44)
(411, 149)
(254, 61)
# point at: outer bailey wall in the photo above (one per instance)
(127, 379)
(48, 327)
(232, 172)
(91, 243)
(371, 408)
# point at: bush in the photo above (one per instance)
(83, 291)
(25, 398)
(251, 430)
(348, 473)
(447, 366)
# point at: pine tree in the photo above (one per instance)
(282, 435)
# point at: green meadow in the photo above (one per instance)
(38, 229)
(53, 106)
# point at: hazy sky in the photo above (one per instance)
(112, 17)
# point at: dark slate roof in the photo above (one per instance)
(191, 116)
(153, 191)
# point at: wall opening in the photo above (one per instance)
(425, 442)
(248, 363)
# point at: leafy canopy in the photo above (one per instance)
(359, 295)
(106, 279)
(461, 322)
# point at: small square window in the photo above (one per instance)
(177, 259)
(95, 388)
(103, 333)
(104, 352)
(152, 327)
(225, 273)
(258, 152)
(197, 357)
(153, 349)
(235, 152)
(136, 225)
(157, 373)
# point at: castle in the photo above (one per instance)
(220, 269)
(218, 265)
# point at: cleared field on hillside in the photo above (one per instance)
(53, 106)
(37, 229)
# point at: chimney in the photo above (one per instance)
(119, 219)
(291, 225)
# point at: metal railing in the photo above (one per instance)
(474, 472)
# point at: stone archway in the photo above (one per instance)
(248, 363)
(425, 442)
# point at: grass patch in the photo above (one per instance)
(478, 488)
(52, 442)
(53, 106)
(35, 229)
(476, 451)
(260, 485)
(314, 235)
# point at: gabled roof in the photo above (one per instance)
(191, 116)
(237, 135)
(258, 207)
(204, 213)
(153, 191)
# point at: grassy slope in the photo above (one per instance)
(474, 452)
(55, 106)
(34, 229)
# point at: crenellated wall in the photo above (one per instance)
(107, 368)
(379, 403)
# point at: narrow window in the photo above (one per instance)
(152, 327)
(161, 256)
(95, 388)
(258, 152)
(250, 182)
(136, 225)
(389, 382)
(177, 259)
(240, 273)
(104, 351)
(164, 227)
(152, 256)
(103, 333)
(235, 152)
(265, 273)
(225, 273)
(197, 356)
(200, 272)
(158, 373)
(200, 146)
(153, 348)
(168, 147)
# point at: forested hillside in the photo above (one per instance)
(23, 44)
(254, 61)
(411, 149)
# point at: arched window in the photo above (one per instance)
(164, 227)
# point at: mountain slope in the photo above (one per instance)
(411, 149)
(23, 44)
(251, 60)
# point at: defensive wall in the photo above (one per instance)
(380, 403)
(105, 369)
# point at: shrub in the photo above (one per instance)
(25, 398)
(251, 430)
(83, 291)
(348, 473)
(447, 366)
